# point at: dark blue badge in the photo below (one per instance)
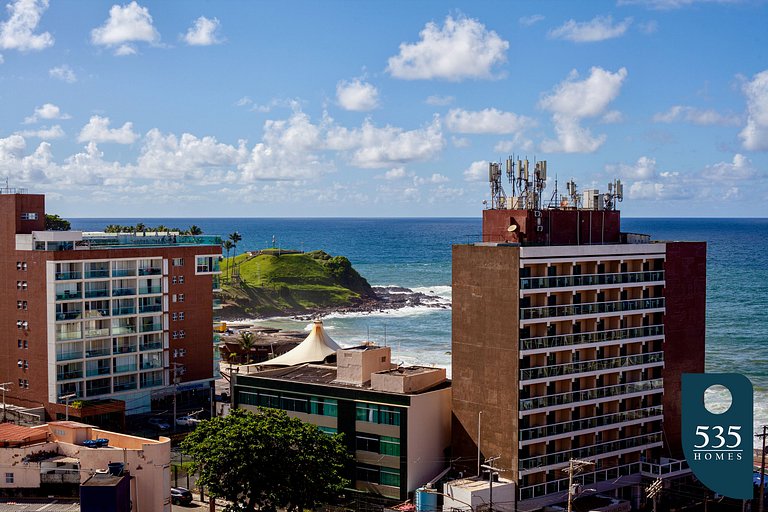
(718, 447)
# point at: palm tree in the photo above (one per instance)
(194, 230)
(140, 227)
(247, 342)
(235, 238)
(228, 245)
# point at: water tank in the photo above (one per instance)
(115, 468)
(425, 501)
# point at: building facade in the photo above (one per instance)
(396, 422)
(56, 458)
(569, 340)
(110, 321)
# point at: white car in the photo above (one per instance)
(187, 421)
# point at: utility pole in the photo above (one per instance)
(175, 388)
(761, 497)
(492, 472)
(575, 466)
(66, 398)
(2, 386)
(479, 418)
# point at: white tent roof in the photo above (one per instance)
(314, 349)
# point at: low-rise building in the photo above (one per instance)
(56, 458)
(395, 420)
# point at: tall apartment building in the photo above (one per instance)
(569, 340)
(108, 319)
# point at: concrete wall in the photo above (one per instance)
(485, 353)
(407, 382)
(356, 366)
(429, 436)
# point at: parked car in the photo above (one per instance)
(187, 421)
(181, 496)
(159, 423)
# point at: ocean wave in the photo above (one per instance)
(392, 312)
(444, 292)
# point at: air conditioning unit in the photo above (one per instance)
(540, 229)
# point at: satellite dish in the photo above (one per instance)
(512, 228)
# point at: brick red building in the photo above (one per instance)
(108, 318)
(570, 338)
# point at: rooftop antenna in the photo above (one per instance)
(498, 197)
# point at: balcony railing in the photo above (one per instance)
(151, 365)
(564, 340)
(98, 352)
(154, 345)
(69, 295)
(149, 383)
(589, 451)
(68, 315)
(533, 283)
(584, 479)
(589, 423)
(125, 387)
(120, 292)
(101, 370)
(157, 326)
(125, 349)
(149, 271)
(68, 356)
(659, 470)
(595, 365)
(97, 333)
(644, 386)
(69, 375)
(68, 335)
(100, 292)
(144, 290)
(124, 329)
(591, 308)
(152, 308)
(97, 273)
(66, 276)
(124, 368)
(123, 272)
(98, 390)
(130, 310)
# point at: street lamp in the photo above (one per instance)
(66, 398)
(2, 386)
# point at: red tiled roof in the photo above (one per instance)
(14, 434)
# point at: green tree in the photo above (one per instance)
(56, 223)
(247, 341)
(267, 460)
(195, 230)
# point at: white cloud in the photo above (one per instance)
(63, 73)
(396, 173)
(25, 169)
(527, 21)
(517, 144)
(461, 48)
(439, 101)
(203, 32)
(740, 168)
(18, 31)
(695, 116)
(666, 5)
(174, 157)
(373, 147)
(459, 142)
(244, 101)
(126, 24)
(643, 169)
(573, 100)
(612, 117)
(436, 178)
(357, 95)
(98, 130)
(489, 120)
(599, 28)
(54, 132)
(477, 171)
(754, 136)
(46, 111)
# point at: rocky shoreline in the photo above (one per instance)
(387, 298)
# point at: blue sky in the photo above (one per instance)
(330, 108)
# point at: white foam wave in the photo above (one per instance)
(444, 292)
(397, 312)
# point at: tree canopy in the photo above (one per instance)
(56, 223)
(193, 230)
(267, 460)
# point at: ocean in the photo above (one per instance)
(416, 253)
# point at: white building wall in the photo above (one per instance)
(429, 434)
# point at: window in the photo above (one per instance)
(389, 476)
(181, 297)
(25, 344)
(178, 262)
(382, 414)
(389, 446)
(182, 334)
(367, 473)
(19, 343)
(174, 297)
(173, 280)
(272, 401)
(9, 478)
(21, 265)
(323, 406)
(21, 383)
(181, 279)
(288, 403)
(328, 430)
(21, 304)
(21, 285)
(181, 315)
(174, 317)
(207, 264)
(22, 324)
(29, 216)
(367, 443)
(175, 335)
(26, 365)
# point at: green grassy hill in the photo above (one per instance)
(279, 283)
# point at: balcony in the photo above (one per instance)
(642, 387)
(584, 479)
(68, 335)
(536, 283)
(77, 374)
(68, 356)
(152, 345)
(69, 295)
(125, 368)
(151, 308)
(67, 276)
(590, 452)
(151, 382)
(597, 365)
(123, 272)
(151, 365)
(97, 273)
(594, 308)
(127, 386)
(157, 326)
(100, 292)
(68, 315)
(97, 333)
(572, 427)
(131, 310)
(121, 292)
(145, 290)
(98, 352)
(124, 329)
(101, 370)
(565, 340)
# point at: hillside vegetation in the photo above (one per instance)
(289, 283)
